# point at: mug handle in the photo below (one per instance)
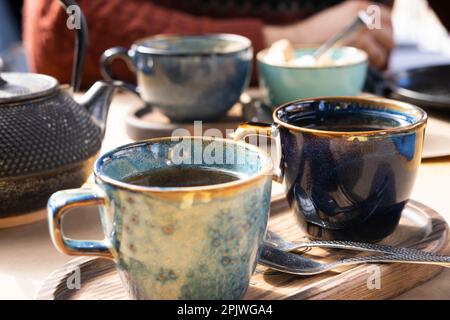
(57, 206)
(270, 131)
(105, 65)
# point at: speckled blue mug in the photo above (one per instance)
(180, 242)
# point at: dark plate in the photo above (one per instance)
(428, 87)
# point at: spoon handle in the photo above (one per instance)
(362, 246)
(276, 241)
(297, 264)
(438, 260)
(360, 20)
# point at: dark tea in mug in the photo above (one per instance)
(182, 176)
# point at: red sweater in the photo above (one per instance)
(49, 44)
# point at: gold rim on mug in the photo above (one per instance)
(266, 169)
(403, 107)
(139, 45)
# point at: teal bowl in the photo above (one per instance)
(285, 83)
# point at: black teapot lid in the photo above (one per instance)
(19, 86)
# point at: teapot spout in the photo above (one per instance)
(98, 99)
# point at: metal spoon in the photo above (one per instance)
(362, 19)
(296, 264)
(276, 241)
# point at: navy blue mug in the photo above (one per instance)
(348, 163)
(187, 77)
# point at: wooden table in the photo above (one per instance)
(27, 255)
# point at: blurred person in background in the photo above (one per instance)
(49, 44)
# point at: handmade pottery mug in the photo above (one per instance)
(198, 242)
(187, 77)
(349, 163)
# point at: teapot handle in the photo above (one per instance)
(2, 81)
(81, 41)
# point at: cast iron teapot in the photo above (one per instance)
(48, 141)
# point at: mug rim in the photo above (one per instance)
(139, 47)
(266, 168)
(421, 121)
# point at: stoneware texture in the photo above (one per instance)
(176, 243)
(197, 77)
(282, 83)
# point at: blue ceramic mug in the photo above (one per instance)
(349, 163)
(192, 77)
(176, 242)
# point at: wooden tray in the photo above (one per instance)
(23, 219)
(420, 227)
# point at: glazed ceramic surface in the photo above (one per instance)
(282, 84)
(176, 243)
(189, 77)
(348, 185)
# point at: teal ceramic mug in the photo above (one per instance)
(284, 83)
(198, 242)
